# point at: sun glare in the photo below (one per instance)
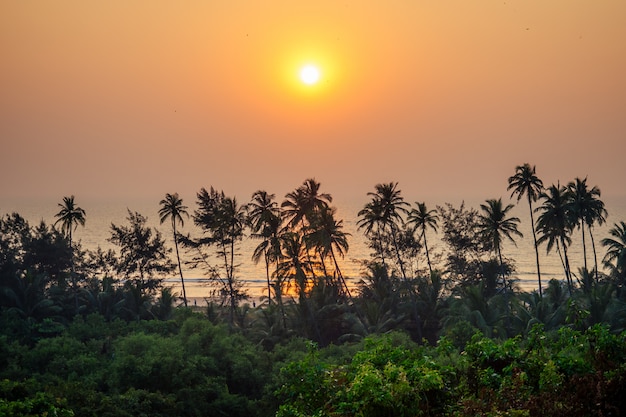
(309, 74)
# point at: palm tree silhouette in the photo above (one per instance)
(370, 220)
(389, 206)
(327, 235)
(423, 218)
(302, 204)
(555, 225)
(70, 217)
(265, 222)
(172, 208)
(495, 225)
(587, 209)
(525, 181)
(615, 257)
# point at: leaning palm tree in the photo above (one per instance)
(615, 257)
(265, 221)
(70, 217)
(554, 225)
(525, 181)
(587, 209)
(172, 208)
(423, 218)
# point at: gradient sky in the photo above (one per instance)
(125, 99)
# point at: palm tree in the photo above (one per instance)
(555, 225)
(424, 218)
(172, 208)
(390, 207)
(370, 220)
(70, 217)
(265, 221)
(495, 225)
(327, 235)
(615, 257)
(587, 209)
(525, 181)
(303, 204)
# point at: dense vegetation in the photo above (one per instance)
(95, 333)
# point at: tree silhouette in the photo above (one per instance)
(143, 254)
(265, 221)
(388, 205)
(615, 257)
(301, 205)
(70, 216)
(329, 238)
(423, 218)
(495, 226)
(223, 221)
(526, 182)
(172, 208)
(555, 225)
(587, 209)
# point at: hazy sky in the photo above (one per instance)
(117, 99)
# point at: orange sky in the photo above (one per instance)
(124, 99)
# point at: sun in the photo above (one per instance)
(309, 74)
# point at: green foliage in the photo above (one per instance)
(17, 400)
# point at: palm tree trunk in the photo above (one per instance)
(380, 245)
(532, 221)
(267, 276)
(180, 269)
(342, 281)
(395, 245)
(595, 255)
(568, 273)
(506, 295)
(582, 228)
(430, 268)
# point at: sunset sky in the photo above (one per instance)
(133, 99)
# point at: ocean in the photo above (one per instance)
(100, 215)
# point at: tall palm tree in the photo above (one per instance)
(391, 206)
(615, 257)
(525, 181)
(554, 224)
(423, 218)
(495, 225)
(587, 209)
(265, 221)
(70, 216)
(301, 205)
(327, 235)
(172, 208)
